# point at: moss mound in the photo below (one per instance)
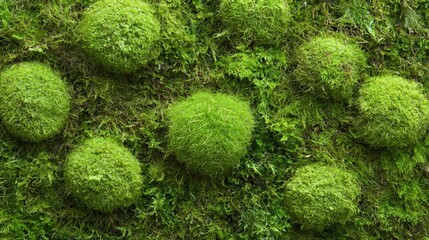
(210, 133)
(120, 34)
(319, 196)
(34, 102)
(329, 67)
(262, 21)
(103, 174)
(394, 112)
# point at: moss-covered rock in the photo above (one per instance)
(103, 174)
(122, 35)
(210, 133)
(394, 112)
(319, 196)
(34, 102)
(262, 21)
(329, 68)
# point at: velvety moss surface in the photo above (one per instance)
(262, 21)
(209, 132)
(329, 67)
(34, 102)
(394, 112)
(122, 35)
(103, 174)
(319, 196)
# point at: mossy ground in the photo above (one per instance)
(292, 129)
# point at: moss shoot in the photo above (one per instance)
(264, 21)
(210, 133)
(122, 35)
(328, 67)
(319, 196)
(34, 102)
(103, 174)
(394, 112)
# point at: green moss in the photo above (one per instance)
(394, 112)
(34, 102)
(319, 196)
(329, 67)
(210, 132)
(103, 174)
(263, 21)
(122, 35)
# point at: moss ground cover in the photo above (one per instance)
(198, 52)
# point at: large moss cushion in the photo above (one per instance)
(34, 101)
(103, 174)
(210, 132)
(121, 35)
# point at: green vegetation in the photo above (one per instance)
(103, 174)
(394, 112)
(34, 102)
(329, 67)
(120, 34)
(319, 196)
(209, 132)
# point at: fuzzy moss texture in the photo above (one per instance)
(394, 112)
(103, 174)
(34, 102)
(329, 67)
(319, 196)
(210, 133)
(122, 35)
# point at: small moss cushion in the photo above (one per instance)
(103, 174)
(210, 132)
(319, 196)
(394, 112)
(262, 21)
(329, 68)
(34, 102)
(122, 35)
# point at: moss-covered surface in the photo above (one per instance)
(292, 128)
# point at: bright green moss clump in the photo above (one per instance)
(103, 174)
(329, 68)
(34, 102)
(210, 132)
(120, 34)
(394, 112)
(263, 21)
(319, 196)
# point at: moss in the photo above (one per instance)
(103, 174)
(319, 196)
(120, 34)
(210, 132)
(329, 68)
(34, 102)
(264, 22)
(394, 112)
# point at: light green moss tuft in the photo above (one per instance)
(122, 35)
(210, 133)
(319, 196)
(329, 67)
(103, 174)
(34, 102)
(394, 112)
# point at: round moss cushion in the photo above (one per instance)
(34, 102)
(263, 21)
(103, 174)
(319, 196)
(209, 132)
(394, 112)
(120, 34)
(330, 68)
